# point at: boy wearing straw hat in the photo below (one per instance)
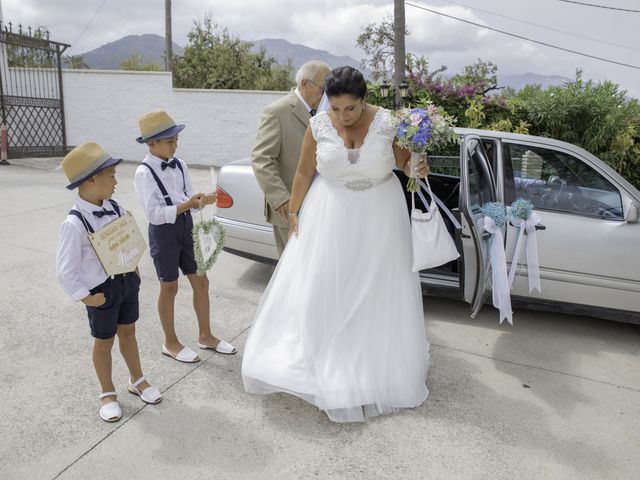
(164, 189)
(111, 302)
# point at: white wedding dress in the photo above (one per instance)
(341, 323)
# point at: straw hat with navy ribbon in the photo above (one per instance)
(157, 125)
(84, 161)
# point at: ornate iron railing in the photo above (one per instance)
(31, 94)
(445, 165)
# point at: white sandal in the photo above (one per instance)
(223, 347)
(186, 355)
(110, 412)
(150, 394)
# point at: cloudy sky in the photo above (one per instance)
(333, 25)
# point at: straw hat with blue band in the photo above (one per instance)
(84, 161)
(157, 125)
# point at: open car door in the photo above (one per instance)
(477, 187)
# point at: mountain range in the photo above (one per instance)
(110, 55)
(151, 47)
(282, 50)
(518, 81)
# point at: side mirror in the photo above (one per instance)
(633, 213)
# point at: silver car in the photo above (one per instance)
(588, 239)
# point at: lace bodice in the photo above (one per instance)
(374, 159)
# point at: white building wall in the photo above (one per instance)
(105, 105)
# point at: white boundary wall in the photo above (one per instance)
(104, 106)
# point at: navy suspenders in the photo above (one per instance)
(165, 194)
(86, 224)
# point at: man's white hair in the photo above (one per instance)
(310, 70)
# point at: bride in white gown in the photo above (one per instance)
(341, 323)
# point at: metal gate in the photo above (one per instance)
(31, 100)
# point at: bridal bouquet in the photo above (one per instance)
(419, 129)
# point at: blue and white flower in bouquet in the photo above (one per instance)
(493, 222)
(419, 129)
(525, 219)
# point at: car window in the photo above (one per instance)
(480, 182)
(557, 181)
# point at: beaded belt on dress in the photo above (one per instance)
(359, 184)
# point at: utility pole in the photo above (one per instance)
(399, 27)
(168, 44)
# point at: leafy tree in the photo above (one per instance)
(75, 62)
(136, 62)
(596, 116)
(464, 96)
(377, 42)
(599, 117)
(475, 113)
(214, 58)
(483, 76)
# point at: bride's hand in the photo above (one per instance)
(293, 224)
(421, 170)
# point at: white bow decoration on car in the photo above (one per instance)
(492, 223)
(531, 249)
(523, 218)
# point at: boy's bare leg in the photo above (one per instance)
(102, 364)
(166, 303)
(201, 305)
(129, 350)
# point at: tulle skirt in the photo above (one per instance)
(341, 323)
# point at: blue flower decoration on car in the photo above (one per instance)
(495, 211)
(521, 208)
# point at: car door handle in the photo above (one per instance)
(538, 226)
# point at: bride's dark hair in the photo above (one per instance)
(345, 80)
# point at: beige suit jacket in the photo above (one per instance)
(277, 150)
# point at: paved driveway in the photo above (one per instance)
(551, 397)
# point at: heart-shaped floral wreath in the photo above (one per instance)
(207, 229)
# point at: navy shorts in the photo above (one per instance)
(171, 247)
(120, 306)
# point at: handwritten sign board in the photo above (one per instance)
(119, 245)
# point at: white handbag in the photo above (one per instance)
(432, 244)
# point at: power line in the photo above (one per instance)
(89, 23)
(525, 38)
(600, 6)
(542, 26)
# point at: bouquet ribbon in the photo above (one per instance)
(499, 280)
(531, 249)
(440, 203)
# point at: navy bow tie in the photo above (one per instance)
(312, 112)
(103, 212)
(171, 164)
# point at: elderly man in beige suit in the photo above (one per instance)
(279, 140)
